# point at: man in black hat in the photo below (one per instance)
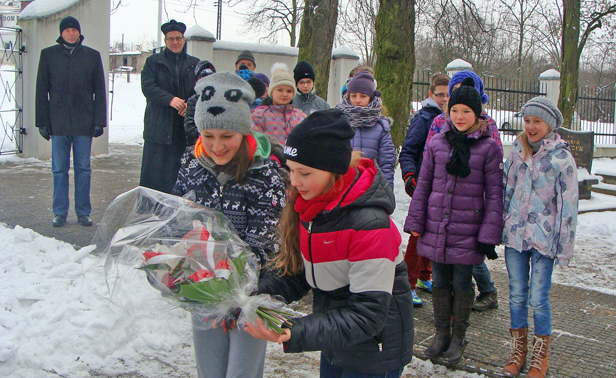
(167, 81)
(71, 108)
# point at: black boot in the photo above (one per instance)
(462, 306)
(441, 301)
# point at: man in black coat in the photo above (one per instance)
(71, 108)
(167, 81)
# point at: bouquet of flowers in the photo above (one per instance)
(189, 253)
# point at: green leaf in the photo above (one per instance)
(206, 292)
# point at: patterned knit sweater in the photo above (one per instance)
(252, 207)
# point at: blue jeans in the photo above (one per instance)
(453, 277)
(519, 266)
(481, 274)
(60, 165)
(329, 371)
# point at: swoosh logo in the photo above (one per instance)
(328, 242)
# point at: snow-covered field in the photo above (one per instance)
(56, 321)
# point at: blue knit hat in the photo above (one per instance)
(458, 77)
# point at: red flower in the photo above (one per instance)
(169, 281)
(149, 254)
(201, 274)
(222, 264)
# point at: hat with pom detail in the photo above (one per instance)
(280, 76)
(467, 95)
(363, 82)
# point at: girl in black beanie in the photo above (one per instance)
(339, 241)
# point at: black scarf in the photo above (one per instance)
(460, 153)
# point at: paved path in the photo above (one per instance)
(584, 329)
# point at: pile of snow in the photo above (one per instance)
(56, 321)
(45, 8)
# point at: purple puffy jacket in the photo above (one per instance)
(453, 213)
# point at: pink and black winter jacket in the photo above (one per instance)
(362, 315)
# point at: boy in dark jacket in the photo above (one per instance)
(410, 162)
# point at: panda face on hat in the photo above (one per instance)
(223, 102)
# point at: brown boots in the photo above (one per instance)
(519, 349)
(539, 359)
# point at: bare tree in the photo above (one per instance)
(519, 15)
(591, 17)
(356, 27)
(272, 17)
(450, 29)
(316, 39)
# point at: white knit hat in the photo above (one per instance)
(281, 76)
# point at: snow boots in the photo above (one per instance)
(441, 302)
(486, 301)
(461, 309)
(519, 349)
(539, 358)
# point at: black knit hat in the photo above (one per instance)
(303, 70)
(467, 95)
(69, 22)
(246, 55)
(322, 141)
(204, 68)
(173, 25)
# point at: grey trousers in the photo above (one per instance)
(221, 354)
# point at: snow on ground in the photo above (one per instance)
(604, 165)
(56, 321)
(126, 110)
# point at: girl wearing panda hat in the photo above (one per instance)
(230, 171)
(339, 241)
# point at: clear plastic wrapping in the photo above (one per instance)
(189, 253)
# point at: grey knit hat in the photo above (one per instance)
(223, 102)
(545, 109)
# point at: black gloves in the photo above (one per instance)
(410, 183)
(488, 250)
(45, 132)
(98, 131)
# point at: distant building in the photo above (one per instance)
(135, 59)
(8, 20)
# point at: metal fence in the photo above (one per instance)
(595, 112)
(11, 105)
(506, 98)
(596, 107)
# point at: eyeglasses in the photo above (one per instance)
(176, 39)
(441, 95)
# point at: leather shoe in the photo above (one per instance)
(59, 220)
(84, 220)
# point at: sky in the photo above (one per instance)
(138, 19)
